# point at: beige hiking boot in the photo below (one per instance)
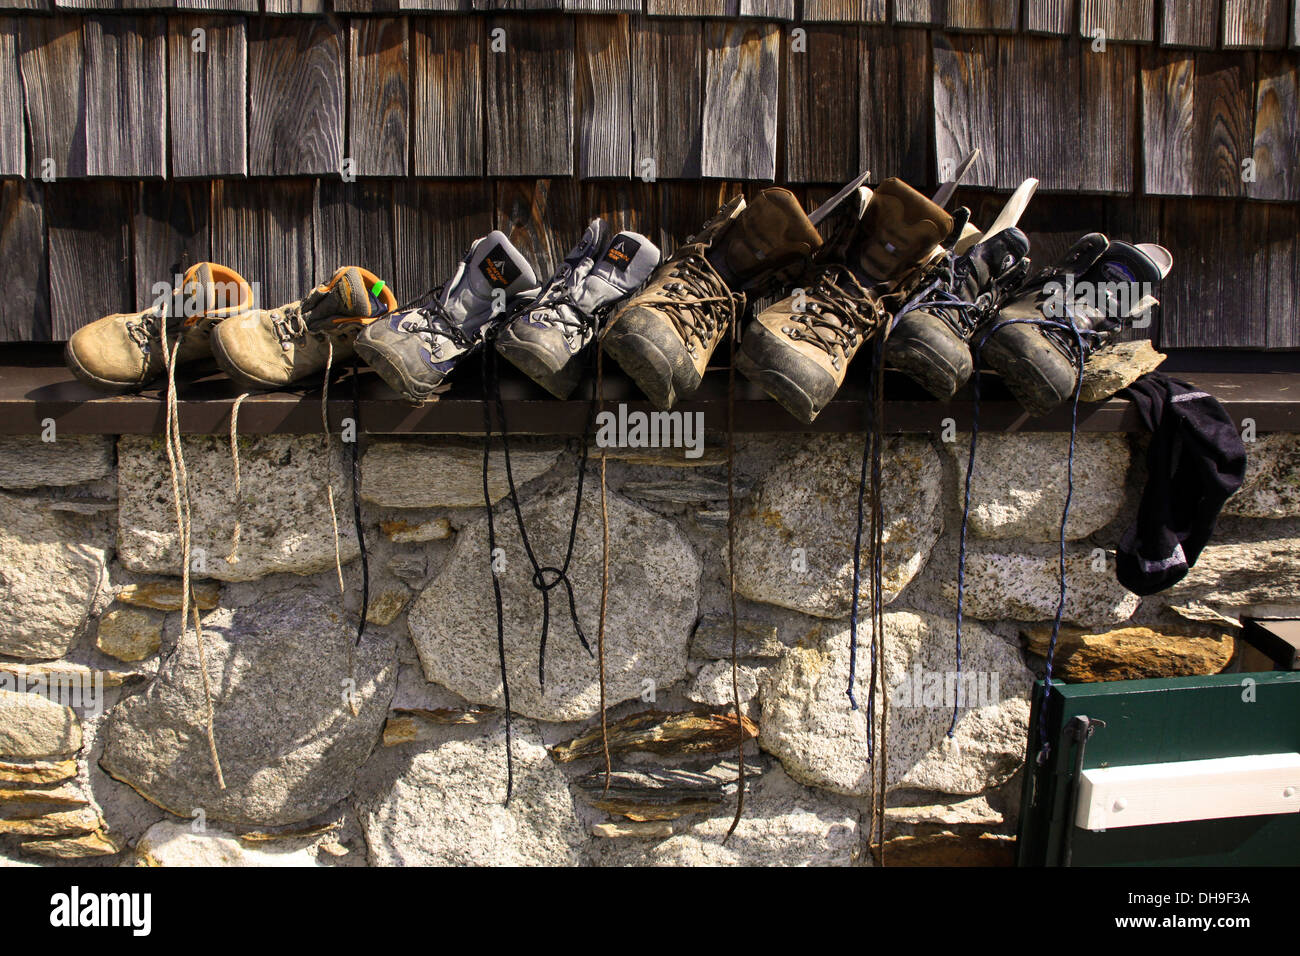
(272, 348)
(124, 352)
(664, 336)
(799, 349)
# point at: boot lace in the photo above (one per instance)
(698, 304)
(434, 325)
(147, 329)
(289, 323)
(840, 313)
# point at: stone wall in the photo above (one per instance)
(393, 752)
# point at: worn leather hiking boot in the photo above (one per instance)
(415, 350)
(546, 341)
(272, 348)
(799, 349)
(1099, 288)
(664, 336)
(124, 352)
(931, 338)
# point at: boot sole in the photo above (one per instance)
(645, 364)
(1037, 394)
(99, 384)
(789, 394)
(393, 374)
(533, 363)
(925, 367)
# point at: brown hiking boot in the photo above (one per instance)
(799, 349)
(664, 336)
(272, 348)
(124, 352)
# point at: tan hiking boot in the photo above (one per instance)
(664, 336)
(799, 349)
(124, 352)
(272, 348)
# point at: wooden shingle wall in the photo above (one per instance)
(287, 137)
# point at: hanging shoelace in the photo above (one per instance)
(1080, 349)
(731, 587)
(872, 460)
(180, 480)
(544, 578)
(604, 578)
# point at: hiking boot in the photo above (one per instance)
(416, 350)
(931, 338)
(664, 335)
(546, 341)
(1099, 287)
(124, 352)
(799, 349)
(272, 348)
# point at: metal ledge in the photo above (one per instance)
(35, 387)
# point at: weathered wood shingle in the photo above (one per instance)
(433, 226)
(1190, 24)
(604, 97)
(25, 306)
(894, 104)
(52, 64)
(379, 100)
(821, 93)
(353, 226)
(126, 96)
(667, 97)
(1255, 23)
(530, 96)
(447, 96)
(170, 230)
(741, 72)
(1051, 16)
(263, 229)
(1276, 174)
(1118, 20)
(542, 217)
(295, 97)
(845, 11)
(207, 95)
(13, 142)
(89, 229)
(986, 16)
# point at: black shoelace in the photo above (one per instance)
(544, 578)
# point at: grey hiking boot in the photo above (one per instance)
(799, 349)
(1098, 288)
(664, 336)
(931, 338)
(546, 342)
(414, 351)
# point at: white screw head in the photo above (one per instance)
(1289, 792)
(1119, 804)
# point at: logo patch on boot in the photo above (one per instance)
(498, 269)
(622, 250)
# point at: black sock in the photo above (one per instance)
(1195, 462)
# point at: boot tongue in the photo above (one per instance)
(346, 294)
(770, 232)
(624, 267)
(493, 263)
(990, 259)
(1124, 263)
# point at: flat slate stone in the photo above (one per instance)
(29, 462)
